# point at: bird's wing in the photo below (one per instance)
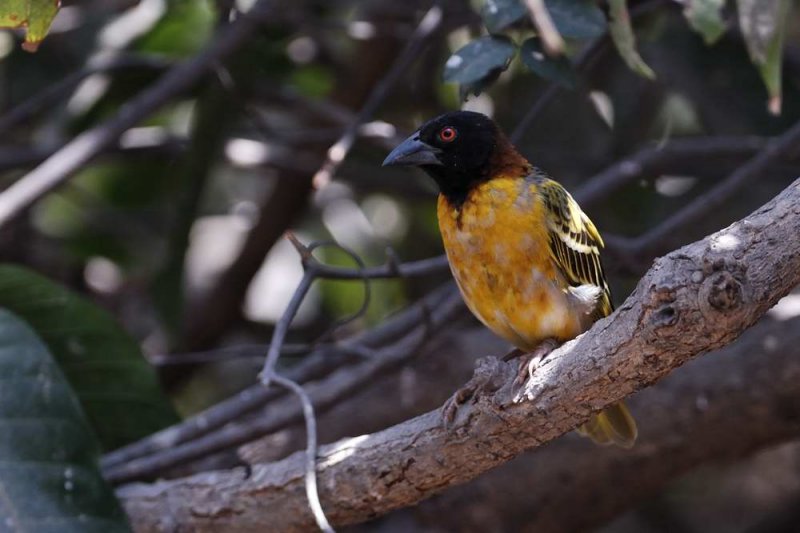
(575, 243)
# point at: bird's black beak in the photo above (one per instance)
(412, 151)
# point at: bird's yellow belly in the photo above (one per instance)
(501, 263)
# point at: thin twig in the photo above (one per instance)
(56, 91)
(282, 327)
(310, 262)
(552, 40)
(311, 451)
(268, 376)
(534, 111)
(15, 156)
(412, 269)
(337, 153)
(246, 351)
(650, 159)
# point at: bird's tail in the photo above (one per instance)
(615, 425)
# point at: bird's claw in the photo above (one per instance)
(528, 365)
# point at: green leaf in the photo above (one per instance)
(763, 24)
(577, 19)
(479, 59)
(498, 15)
(705, 17)
(49, 478)
(116, 387)
(183, 29)
(625, 40)
(557, 69)
(477, 87)
(33, 15)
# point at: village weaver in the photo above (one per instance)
(524, 255)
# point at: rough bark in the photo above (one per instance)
(693, 300)
(741, 398)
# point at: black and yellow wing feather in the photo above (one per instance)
(575, 246)
(575, 243)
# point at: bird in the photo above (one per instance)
(524, 255)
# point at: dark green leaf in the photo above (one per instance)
(577, 19)
(557, 69)
(33, 15)
(705, 17)
(763, 24)
(478, 59)
(625, 40)
(500, 14)
(115, 385)
(477, 87)
(49, 479)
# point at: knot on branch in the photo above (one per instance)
(663, 312)
(721, 292)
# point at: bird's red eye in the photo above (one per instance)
(448, 134)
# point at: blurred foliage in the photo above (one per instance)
(183, 30)
(479, 63)
(763, 24)
(625, 40)
(104, 366)
(49, 476)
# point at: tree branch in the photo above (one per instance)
(696, 415)
(695, 299)
(59, 90)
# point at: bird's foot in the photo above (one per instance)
(513, 354)
(528, 365)
(490, 374)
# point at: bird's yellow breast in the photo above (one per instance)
(497, 244)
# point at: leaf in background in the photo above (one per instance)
(477, 87)
(33, 15)
(49, 478)
(479, 59)
(625, 40)
(705, 17)
(181, 31)
(557, 69)
(498, 15)
(116, 387)
(577, 19)
(763, 25)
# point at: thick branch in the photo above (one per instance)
(695, 299)
(741, 398)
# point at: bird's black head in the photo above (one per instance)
(456, 149)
